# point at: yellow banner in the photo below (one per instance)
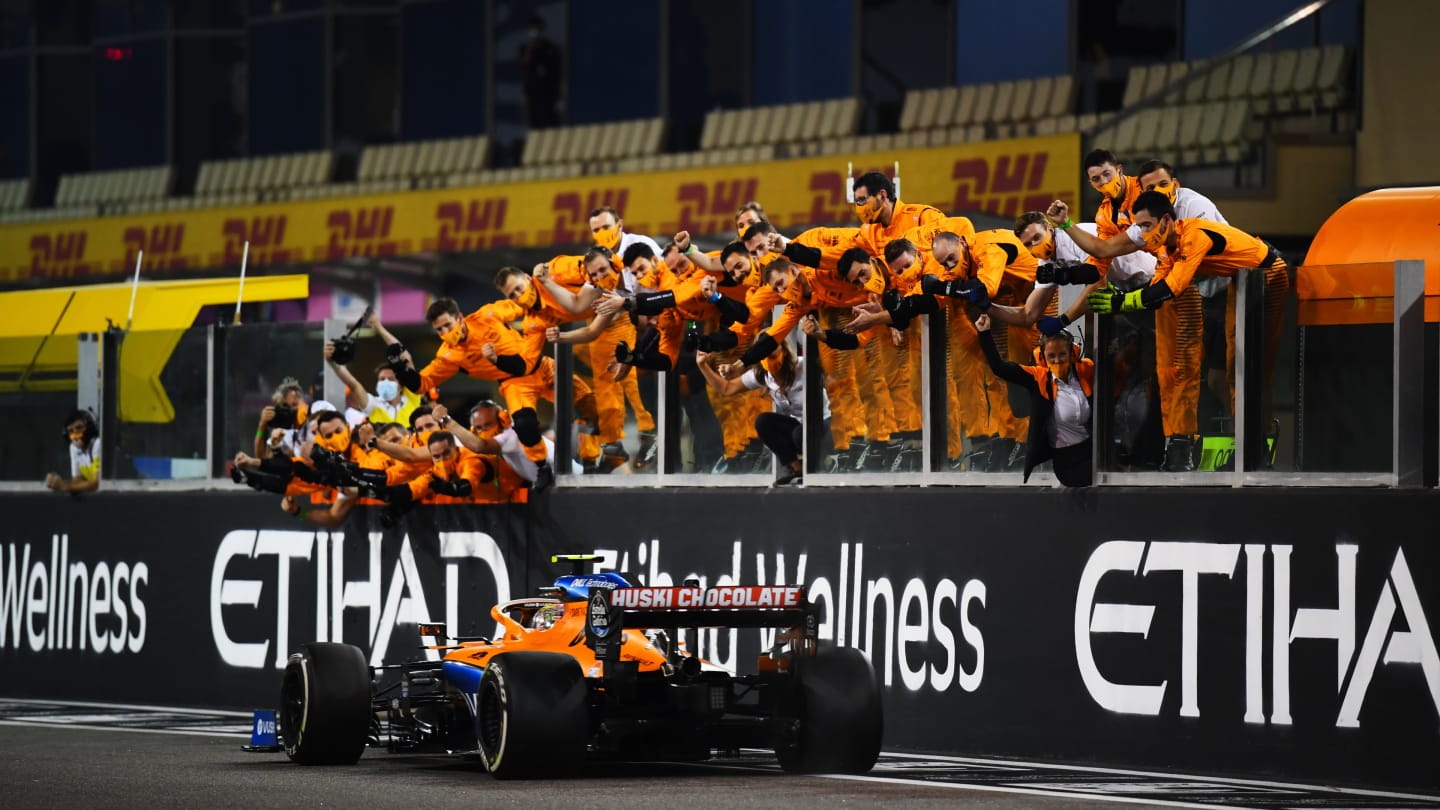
(1002, 177)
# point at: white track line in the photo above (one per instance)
(231, 735)
(134, 706)
(1149, 801)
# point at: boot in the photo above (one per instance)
(859, 452)
(1179, 454)
(792, 474)
(544, 478)
(648, 450)
(978, 459)
(1001, 451)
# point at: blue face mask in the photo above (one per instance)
(387, 389)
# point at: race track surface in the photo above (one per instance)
(70, 755)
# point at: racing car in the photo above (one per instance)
(593, 668)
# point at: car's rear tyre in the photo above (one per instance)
(325, 709)
(834, 707)
(531, 716)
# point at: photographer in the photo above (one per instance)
(84, 437)
(389, 403)
(282, 427)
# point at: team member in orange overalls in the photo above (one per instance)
(1197, 248)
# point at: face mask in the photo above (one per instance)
(1169, 190)
(1115, 187)
(455, 336)
(387, 389)
(1155, 238)
(608, 238)
(1044, 251)
(1060, 370)
(868, 211)
(608, 283)
(530, 296)
(335, 442)
(77, 435)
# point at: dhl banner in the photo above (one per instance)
(1002, 177)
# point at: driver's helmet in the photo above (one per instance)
(578, 586)
(546, 615)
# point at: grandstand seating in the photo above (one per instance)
(1206, 116)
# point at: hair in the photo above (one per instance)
(944, 236)
(897, 247)
(605, 209)
(785, 374)
(1157, 204)
(92, 430)
(596, 252)
(423, 410)
(1029, 218)
(327, 416)
(1154, 165)
(669, 248)
(286, 385)
(440, 437)
(381, 428)
(1099, 157)
(752, 205)
(440, 307)
(875, 182)
(484, 403)
(761, 227)
(780, 265)
(639, 250)
(504, 274)
(731, 249)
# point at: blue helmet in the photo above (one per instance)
(577, 586)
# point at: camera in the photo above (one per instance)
(344, 350)
(285, 417)
(1067, 273)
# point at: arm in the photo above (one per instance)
(328, 518)
(720, 384)
(355, 394)
(467, 439)
(1028, 314)
(697, 257)
(572, 302)
(1100, 248)
(584, 334)
(382, 331)
(1003, 369)
(400, 452)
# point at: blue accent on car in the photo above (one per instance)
(464, 677)
(577, 586)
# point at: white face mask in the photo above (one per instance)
(387, 389)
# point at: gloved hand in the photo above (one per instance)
(1054, 273)
(1050, 325)
(455, 486)
(974, 291)
(393, 352)
(1110, 301)
(932, 285)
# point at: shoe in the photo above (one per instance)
(1179, 454)
(907, 460)
(544, 478)
(1016, 462)
(721, 467)
(837, 462)
(1000, 453)
(955, 464)
(890, 454)
(648, 451)
(875, 456)
(859, 449)
(789, 476)
(978, 459)
(612, 456)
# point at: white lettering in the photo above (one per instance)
(1105, 617)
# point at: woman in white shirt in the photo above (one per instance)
(1061, 386)
(84, 436)
(782, 428)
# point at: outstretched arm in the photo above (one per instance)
(721, 385)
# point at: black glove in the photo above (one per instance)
(974, 291)
(393, 352)
(456, 487)
(1053, 273)
(932, 285)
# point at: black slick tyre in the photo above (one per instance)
(834, 709)
(531, 717)
(325, 709)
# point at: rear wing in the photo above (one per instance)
(689, 606)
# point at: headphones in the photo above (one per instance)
(92, 429)
(502, 416)
(1077, 348)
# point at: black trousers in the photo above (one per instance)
(784, 435)
(1072, 464)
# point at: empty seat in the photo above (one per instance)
(1134, 86)
(945, 107)
(1175, 72)
(1194, 90)
(999, 110)
(1020, 101)
(1147, 127)
(1062, 96)
(1217, 84)
(1282, 82)
(984, 101)
(1242, 70)
(1262, 76)
(1332, 84)
(1167, 134)
(1234, 144)
(1307, 74)
(929, 109)
(1040, 94)
(1212, 122)
(964, 106)
(910, 111)
(1155, 78)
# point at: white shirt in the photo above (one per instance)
(1131, 271)
(85, 463)
(789, 403)
(1071, 422)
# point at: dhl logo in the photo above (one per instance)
(163, 245)
(827, 197)
(711, 207)
(475, 225)
(572, 215)
(59, 255)
(1013, 185)
(266, 235)
(360, 232)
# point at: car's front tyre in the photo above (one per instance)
(325, 708)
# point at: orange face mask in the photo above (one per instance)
(1169, 189)
(608, 237)
(1115, 187)
(530, 296)
(336, 442)
(1060, 370)
(1156, 237)
(869, 211)
(455, 336)
(1044, 251)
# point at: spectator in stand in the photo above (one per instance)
(84, 436)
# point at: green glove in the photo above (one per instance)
(1110, 301)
